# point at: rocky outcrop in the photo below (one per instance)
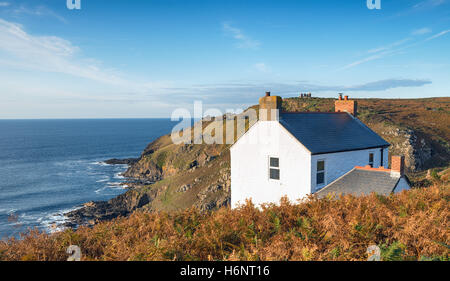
(416, 149)
(128, 161)
(216, 195)
(121, 205)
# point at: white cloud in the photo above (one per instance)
(394, 48)
(39, 11)
(22, 50)
(429, 4)
(262, 67)
(4, 4)
(389, 47)
(244, 41)
(378, 53)
(438, 35)
(367, 59)
(421, 31)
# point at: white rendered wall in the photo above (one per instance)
(386, 157)
(338, 164)
(402, 185)
(250, 166)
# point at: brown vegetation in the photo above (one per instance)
(411, 225)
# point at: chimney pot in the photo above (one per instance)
(267, 94)
(346, 105)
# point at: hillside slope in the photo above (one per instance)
(412, 225)
(199, 174)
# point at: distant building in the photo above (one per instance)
(305, 95)
(296, 154)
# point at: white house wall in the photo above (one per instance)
(402, 185)
(337, 164)
(250, 166)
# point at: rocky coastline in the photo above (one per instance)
(93, 212)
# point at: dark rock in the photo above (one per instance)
(128, 161)
(119, 206)
(193, 164)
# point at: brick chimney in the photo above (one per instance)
(398, 165)
(269, 107)
(346, 105)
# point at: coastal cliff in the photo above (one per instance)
(171, 177)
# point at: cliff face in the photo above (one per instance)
(416, 149)
(199, 174)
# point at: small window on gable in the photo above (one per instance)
(371, 159)
(320, 177)
(274, 168)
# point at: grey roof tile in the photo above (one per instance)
(322, 132)
(361, 182)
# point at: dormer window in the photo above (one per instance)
(274, 168)
(320, 176)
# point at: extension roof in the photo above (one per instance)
(363, 181)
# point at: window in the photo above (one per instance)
(274, 168)
(381, 158)
(371, 159)
(320, 177)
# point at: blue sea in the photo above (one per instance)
(50, 167)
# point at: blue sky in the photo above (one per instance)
(125, 59)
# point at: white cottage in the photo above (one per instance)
(296, 154)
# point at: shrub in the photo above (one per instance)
(412, 225)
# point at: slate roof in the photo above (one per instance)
(362, 182)
(323, 132)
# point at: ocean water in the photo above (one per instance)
(49, 167)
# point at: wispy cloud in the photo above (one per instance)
(420, 7)
(261, 67)
(39, 11)
(386, 84)
(438, 35)
(378, 53)
(244, 41)
(248, 92)
(395, 48)
(389, 47)
(421, 31)
(364, 60)
(22, 50)
(429, 4)
(4, 4)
